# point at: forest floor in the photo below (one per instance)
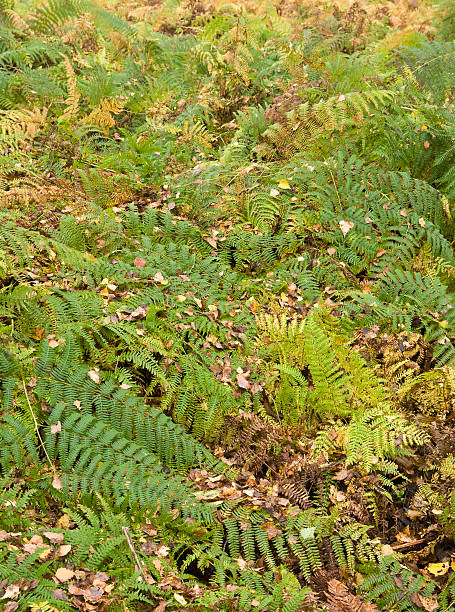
(227, 333)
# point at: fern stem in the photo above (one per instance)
(52, 466)
(126, 533)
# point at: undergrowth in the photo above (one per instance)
(227, 362)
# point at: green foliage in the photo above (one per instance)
(213, 227)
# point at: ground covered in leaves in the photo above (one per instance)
(227, 323)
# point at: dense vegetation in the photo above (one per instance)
(227, 322)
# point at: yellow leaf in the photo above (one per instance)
(438, 569)
(443, 323)
(283, 184)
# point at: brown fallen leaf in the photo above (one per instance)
(56, 428)
(60, 594)
(94, 375)
(428, 603)
(54, 538)
(243, 382)
(345, 226)
(93, 594)
(57, 482)
(63, 574)
(12, 591)
(73, 589)
(63, 522)
(11, 606)
(63, 550)
(139, 262)
(212, 242)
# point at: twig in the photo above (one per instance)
(37, 427)
(129, 539)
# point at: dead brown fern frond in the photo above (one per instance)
(22, 124)
(103, 115)
(72, 101)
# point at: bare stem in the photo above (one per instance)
(129, 539)
(37, 427)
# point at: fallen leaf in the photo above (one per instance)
(387, 550)
(45, 553)
(274, 193)
(161, 606)
(63, 550)
(63, 522)
(307, 533)
(139, 262)
(403, 212)
(331, 251)
(345, 226)
(12, 591)
(94, 375)
(163, 551)
(93, 594)
(53, 343)
(11, 606)
(60, 594)
(422, 222)
(73, 589)
(283, 184)
(413, 514)
(159, 278)
(243, 382)
(212, 242)
(180, 599)
(56, 428)
(438, 569)
(426, 144)
(428, 603)
(63, 574)
(241, 563)
(57, 482)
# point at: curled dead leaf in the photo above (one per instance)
(57, 482)
(56, 428)
(94, 375)
(346, 226)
